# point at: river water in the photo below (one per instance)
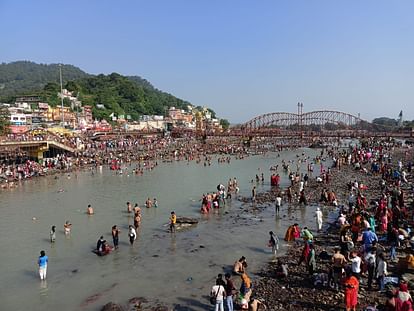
(171, 269)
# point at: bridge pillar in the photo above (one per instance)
(38, 153)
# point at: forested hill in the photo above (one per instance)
(130, 95)
(118, 94)
(23, 77)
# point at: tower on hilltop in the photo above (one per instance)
(400, 119)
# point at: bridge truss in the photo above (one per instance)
(286, 120)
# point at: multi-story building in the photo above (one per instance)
(87, 114)
(179, 116)
(26, 102)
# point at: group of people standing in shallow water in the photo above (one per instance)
(217, 199)
(102, 246)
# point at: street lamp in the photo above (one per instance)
(61, 95)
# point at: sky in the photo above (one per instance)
(241, 58)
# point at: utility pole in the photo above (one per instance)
(300, 120)
(61, 95)
(301, 115)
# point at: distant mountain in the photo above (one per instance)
(23, 77)
(130, 95)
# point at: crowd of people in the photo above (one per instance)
(117, 153)
(373, 227)
(225, 290)
(103, 248)
(374, 248)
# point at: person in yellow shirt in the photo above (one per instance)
(410, 261)
(173, 220)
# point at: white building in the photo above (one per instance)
(18, 119)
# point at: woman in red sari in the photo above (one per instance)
(351, 291)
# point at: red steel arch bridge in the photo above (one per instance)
(321, 118)
(320, 123)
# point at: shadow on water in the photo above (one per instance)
(191, 304)
(228, 268)
(31, 273)
(124, 243)
(258, 249)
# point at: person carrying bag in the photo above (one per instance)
(217, 295)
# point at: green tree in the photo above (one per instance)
(131, 95)
(225, 124)
(4, 120)
(72, 86)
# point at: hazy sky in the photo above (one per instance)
(241, 58)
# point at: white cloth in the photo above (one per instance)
(341, 220)
(42, 272)
(382, 268)
(133, 232)
(278, 201)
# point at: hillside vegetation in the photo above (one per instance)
(23, 77)
(118, 94)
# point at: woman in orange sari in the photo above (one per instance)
(351, 291)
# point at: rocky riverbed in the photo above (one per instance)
(297, 291)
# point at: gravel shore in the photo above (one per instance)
(297, 291)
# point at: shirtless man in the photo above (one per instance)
(137, 219)
(338, 262)
(67, 227)
(129, 207)
(115, 235)
(239, 266)
(137, 209)
(173, 220)
(89, 210)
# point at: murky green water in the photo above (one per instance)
(159, 266)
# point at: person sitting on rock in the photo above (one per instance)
(281, 270)
(255, 304)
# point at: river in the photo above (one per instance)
(172, 269)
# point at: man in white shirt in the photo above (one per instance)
(370, 260)
(218, 292)
(278, 203)
(318, 215)
(356, 265)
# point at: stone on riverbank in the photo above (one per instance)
(111, 306)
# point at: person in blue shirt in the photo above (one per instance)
(42, 262)
(369, 237)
